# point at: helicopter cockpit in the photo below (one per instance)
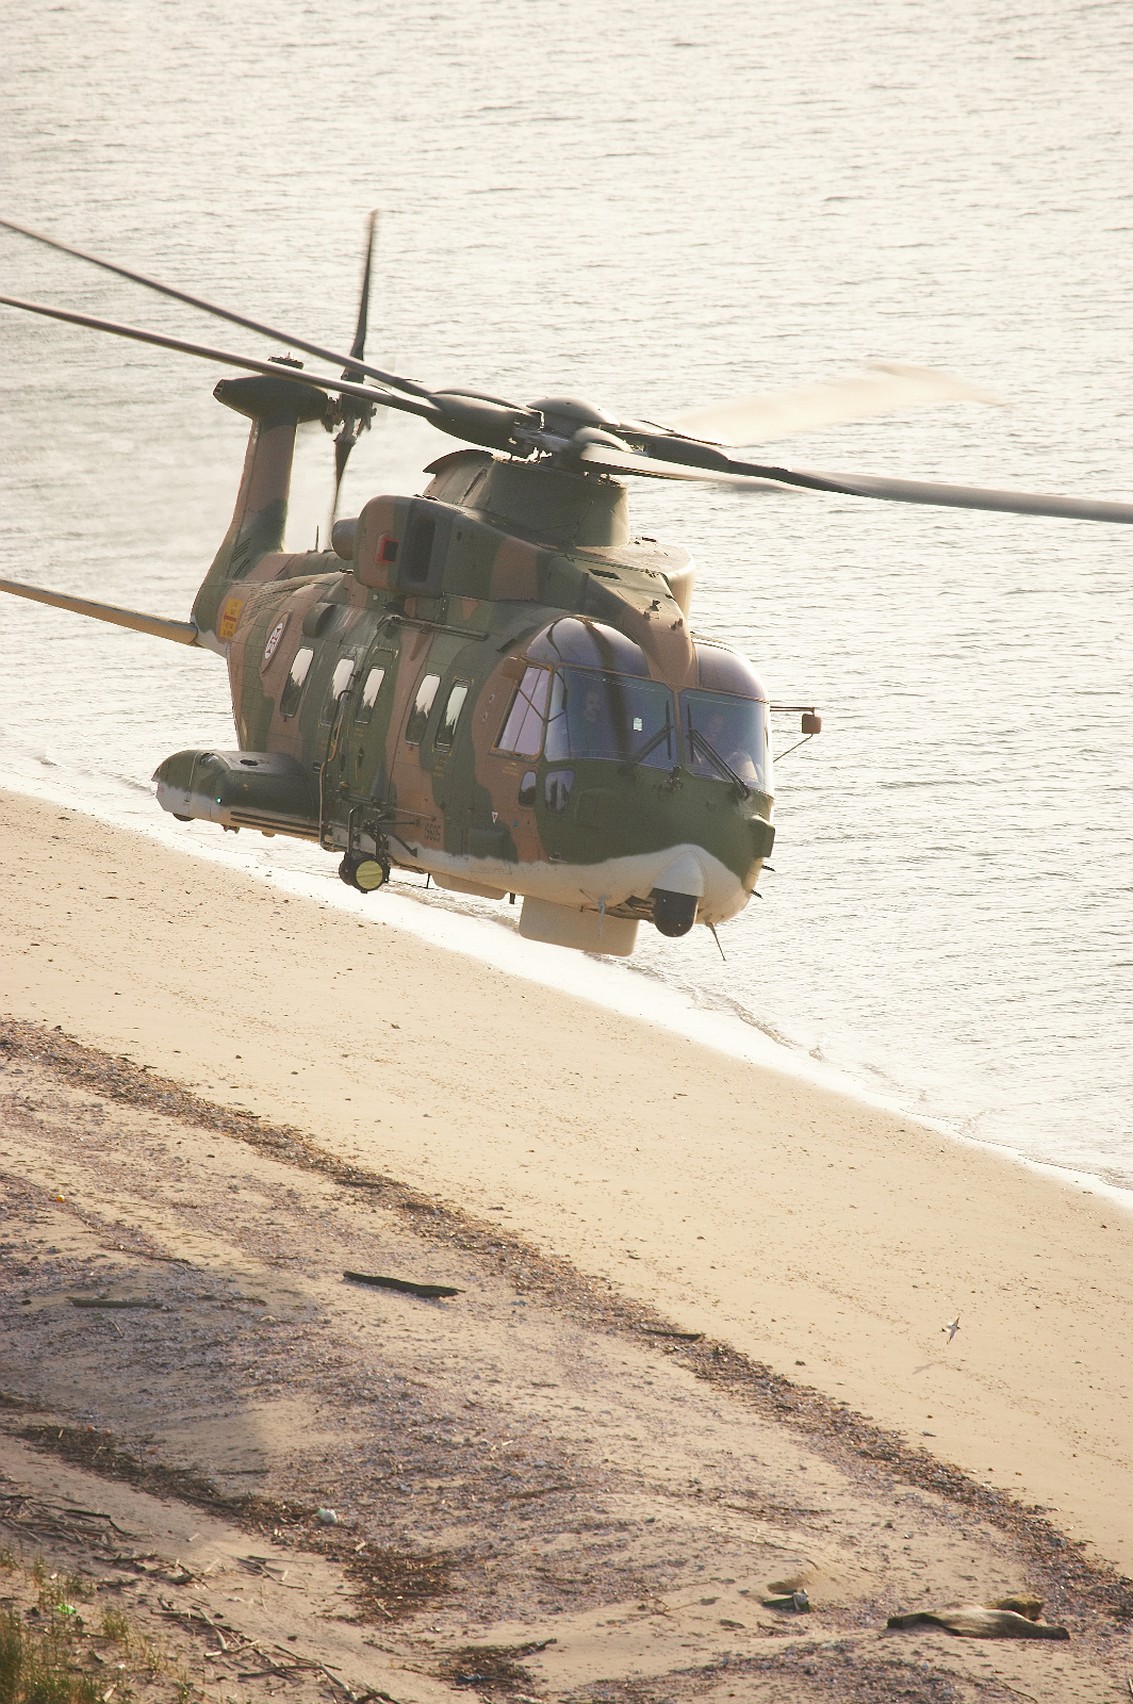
(725, 721)
(586, 693)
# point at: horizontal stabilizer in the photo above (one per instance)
(180, 632)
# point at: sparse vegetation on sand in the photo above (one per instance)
(56, 1647)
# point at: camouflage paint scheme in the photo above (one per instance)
(462, 583)
(412, 696)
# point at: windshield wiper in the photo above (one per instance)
(705, 749)
(663, 733)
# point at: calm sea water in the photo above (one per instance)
(654, 206)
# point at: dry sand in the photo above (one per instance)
(636, 1181)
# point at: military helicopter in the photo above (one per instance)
(495, 683)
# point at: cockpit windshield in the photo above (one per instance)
(603, 715)
(728, 738)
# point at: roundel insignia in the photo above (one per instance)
(272, 645)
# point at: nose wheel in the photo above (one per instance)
(365, 874)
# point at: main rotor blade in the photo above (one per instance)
(885, 389)
(410, 405)
(409, 386)
(715, 466)
(963, 496)
(605, 460)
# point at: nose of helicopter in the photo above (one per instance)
(708, 883)
(685, 875)
(677, 894)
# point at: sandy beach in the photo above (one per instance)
(651, 1185)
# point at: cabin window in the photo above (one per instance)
(611, 716)
(296, 679)
(727, 738)
(450, 716)
(371, 686)
(523, 730)
(339, 684)
(527, 788)
(422, 704)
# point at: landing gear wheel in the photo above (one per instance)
(365, 874)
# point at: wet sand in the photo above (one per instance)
(811, 1234)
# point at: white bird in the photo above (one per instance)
(952, 1327)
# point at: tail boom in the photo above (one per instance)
(180, 632)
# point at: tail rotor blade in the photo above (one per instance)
(343, 444)
(356, 417)
(358, 347)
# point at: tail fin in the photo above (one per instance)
(276, 408)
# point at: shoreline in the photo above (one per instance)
(719, 1025)
(565, 1119)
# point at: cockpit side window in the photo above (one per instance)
(523, 730)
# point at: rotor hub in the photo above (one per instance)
(565, 415)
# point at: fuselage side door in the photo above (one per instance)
(422, 695)
(358, 758)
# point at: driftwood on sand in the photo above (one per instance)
(978, 1621)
